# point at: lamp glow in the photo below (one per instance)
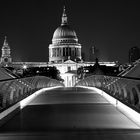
(24, 66)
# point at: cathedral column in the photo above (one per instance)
(49, 52)
(57, 52)
(61, 51)
(75, 52)
(68, 50)
(72, 52)
(79, 52)
(54, 52)
(65, 52)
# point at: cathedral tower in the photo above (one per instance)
(6, 53)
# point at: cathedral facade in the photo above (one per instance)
(65, 51)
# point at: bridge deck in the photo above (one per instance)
(69, 112)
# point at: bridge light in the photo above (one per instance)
(24, 67)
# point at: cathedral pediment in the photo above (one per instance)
(69, 62)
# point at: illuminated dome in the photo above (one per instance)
(64, 31)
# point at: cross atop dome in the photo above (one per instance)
(64, 17)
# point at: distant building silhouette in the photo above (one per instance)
(91, 52)
(83, 56)
(134, 54)
(94, 53)
(97, 69)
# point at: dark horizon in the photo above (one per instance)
(113, 27)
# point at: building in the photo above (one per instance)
(65, 44)
(65, 51)
(64, 54)
(6, 54)
(134, 54)
(93, 53)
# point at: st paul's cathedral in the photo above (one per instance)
(64, 53)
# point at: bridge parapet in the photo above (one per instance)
(15, 90)
(124, 89)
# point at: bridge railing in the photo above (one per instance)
(124, 89)
(15, 90)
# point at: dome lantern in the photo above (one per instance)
(64, 17)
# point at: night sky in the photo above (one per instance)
(112, 26)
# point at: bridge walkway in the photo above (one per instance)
(69, 113)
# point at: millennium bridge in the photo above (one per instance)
(97, 107)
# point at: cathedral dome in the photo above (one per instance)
(64, 32)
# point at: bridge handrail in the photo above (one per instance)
(124, 89)
(15, 90)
